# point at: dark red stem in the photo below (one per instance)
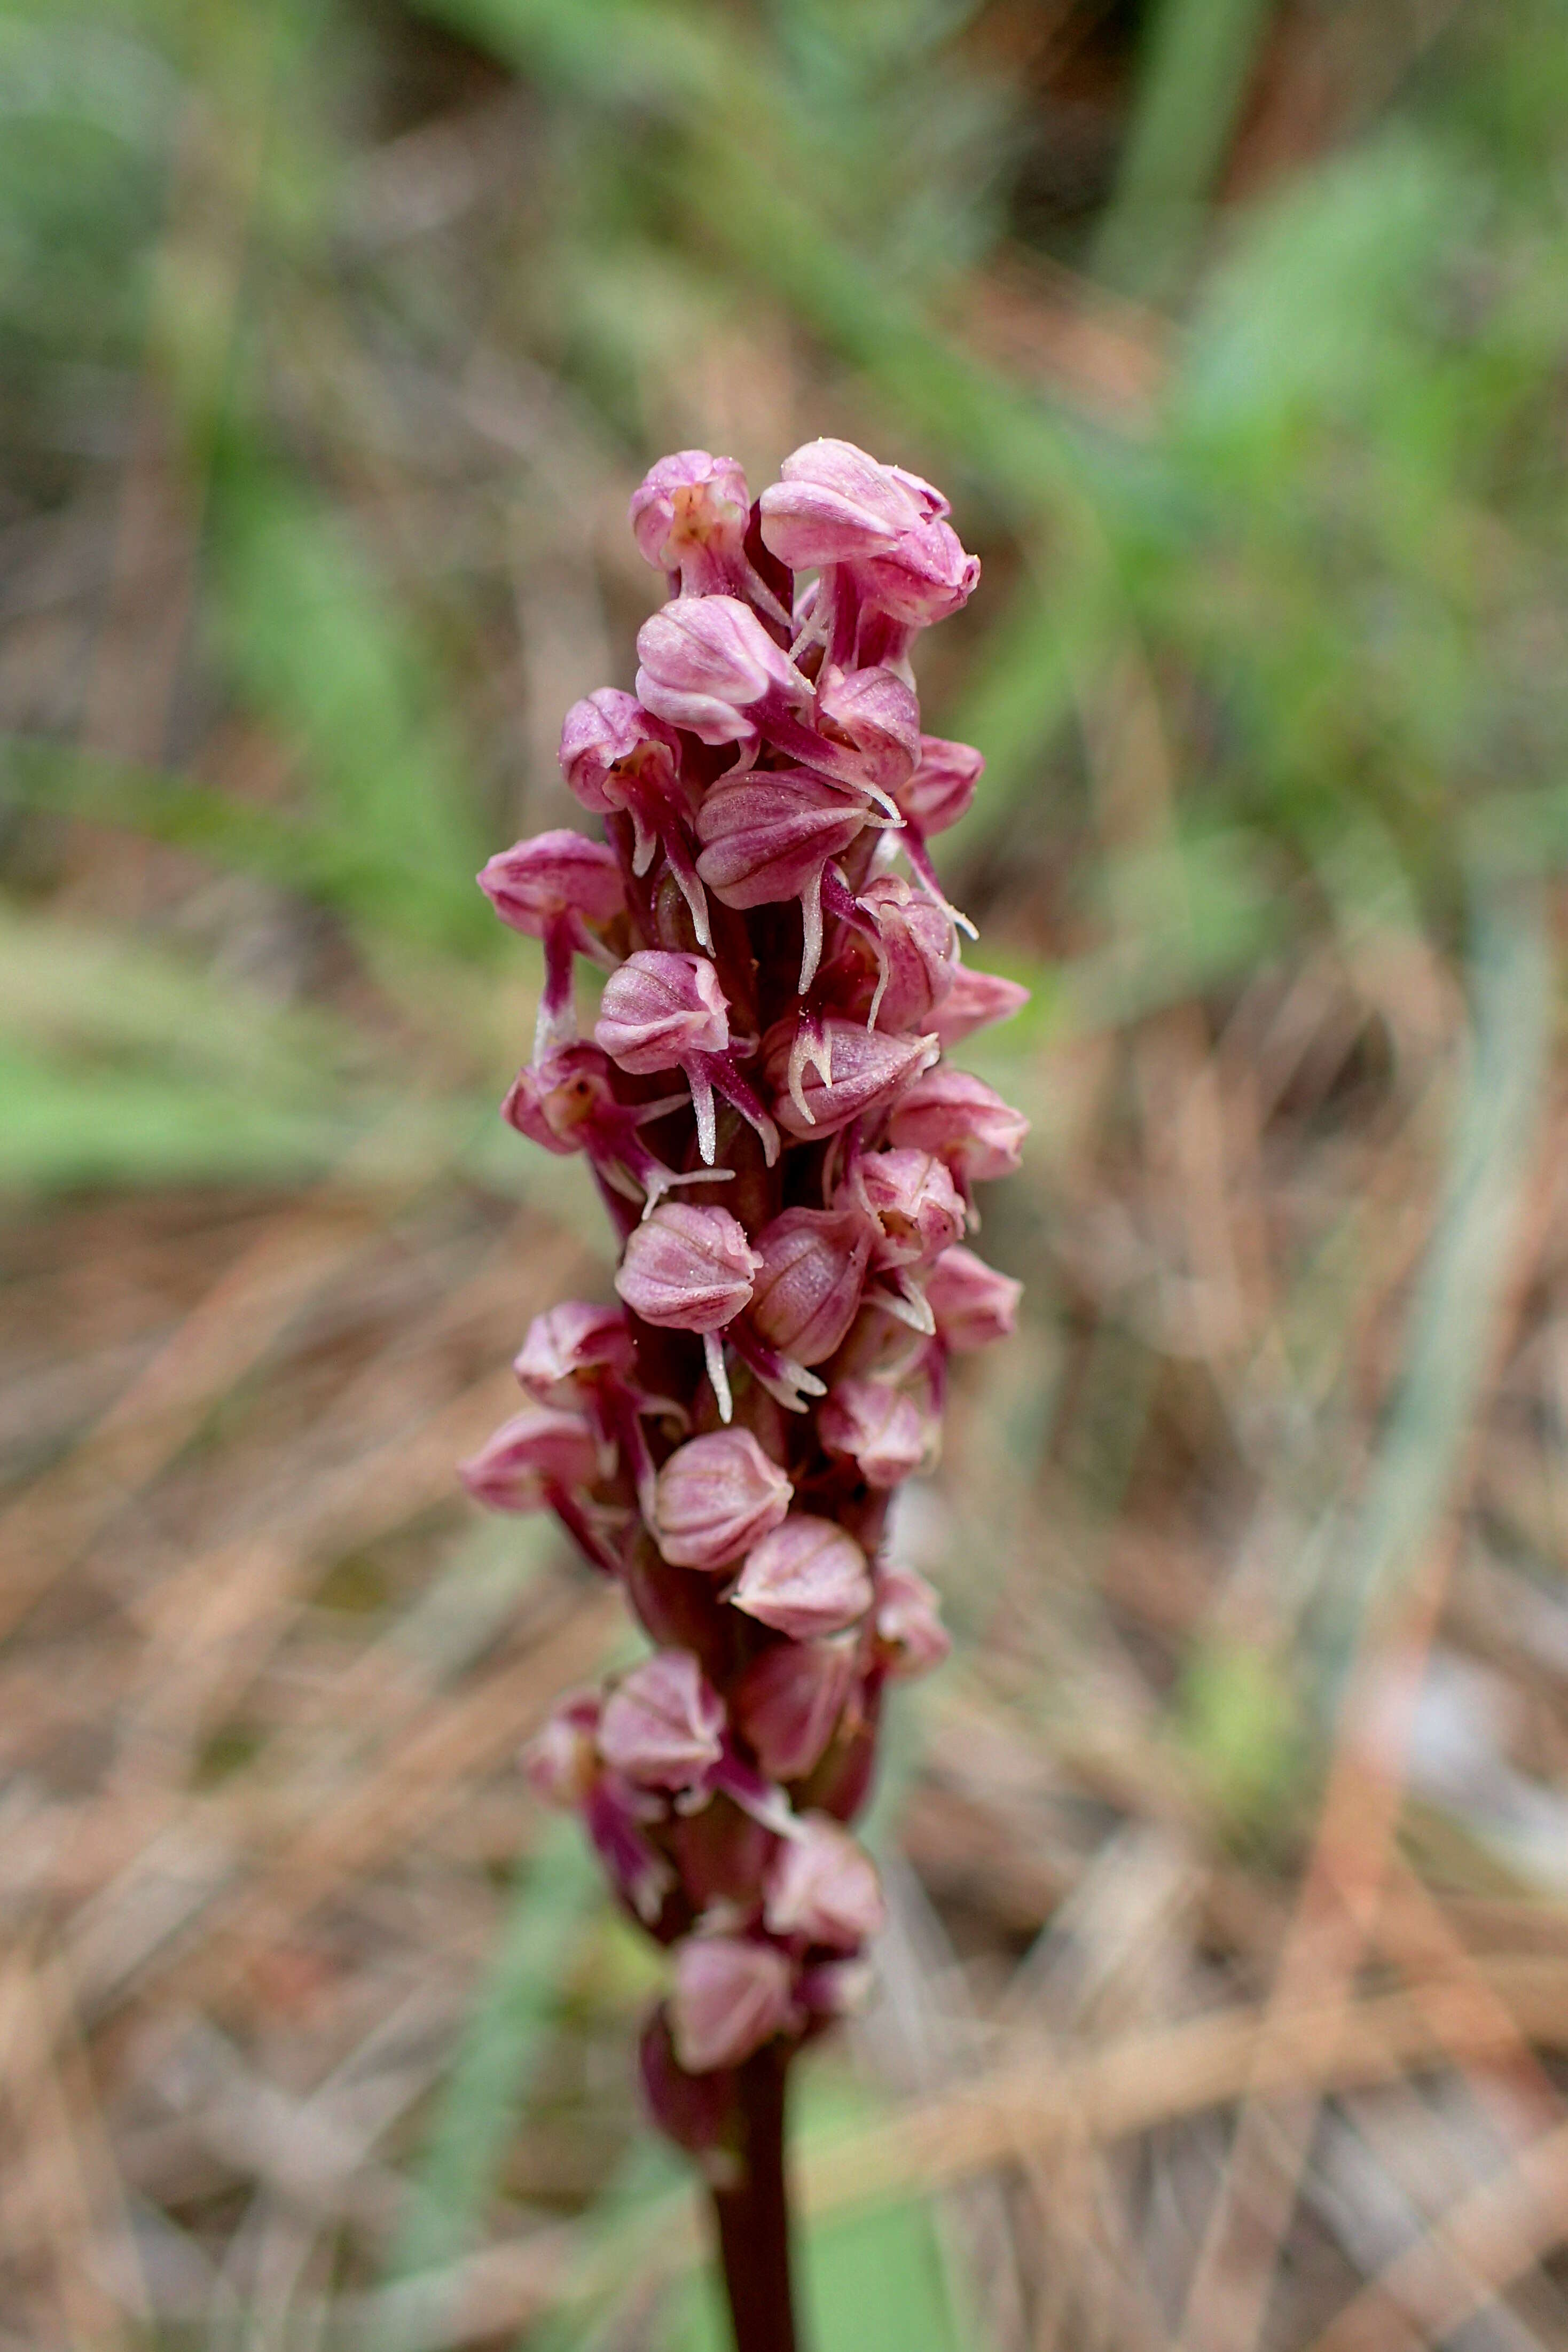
(753, 2216)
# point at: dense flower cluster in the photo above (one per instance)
(790, 1169)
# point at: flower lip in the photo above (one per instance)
(716, 1496)
(808, 1577)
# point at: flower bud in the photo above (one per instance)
(716, 1496)
(688, 514)
(537, 1450)
(911, 1634)
(572, 1343)
(870, 1069)
(914, 1200)
(535, 883)
(823, 1887)
(687, 1269)
(662, 1726)
(974, 1000)
(707, 662)
(972, 1304)
(660, 1008)
(805, 1578)
(943, 785)
(767, 836)
(731, 1995)
(811, 1273)
(957, 1116)
(788, 1702)
(877, 715)
(562, 1759)
(879, 1428)
(837, 505)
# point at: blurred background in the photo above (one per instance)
(1225, 2005)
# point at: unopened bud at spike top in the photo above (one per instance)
(837, 505)
(717, 1496)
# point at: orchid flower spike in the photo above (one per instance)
(725, 1435)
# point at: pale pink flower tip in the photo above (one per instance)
(971, 1302)
(663, 1726)
(715, 1497)
(561, 1758)
(538, 1449)
(883, 1432)
(908, 1622)
(571, 1342)
(730, 1996)
(823, 1886)
(806, 1578)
